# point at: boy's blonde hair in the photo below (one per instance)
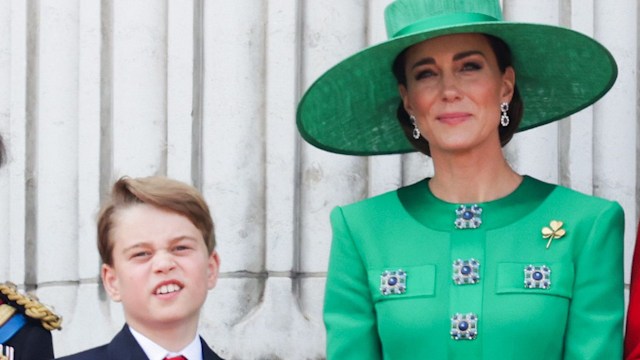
(158, 191)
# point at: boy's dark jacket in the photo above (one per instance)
(125, 347)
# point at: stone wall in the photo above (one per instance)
(205, 91)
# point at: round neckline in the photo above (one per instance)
(431, 194)
(437, 214)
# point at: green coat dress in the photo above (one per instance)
(405, 283)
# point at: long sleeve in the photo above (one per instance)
(349, 313)
(632, 339)
(594, 329)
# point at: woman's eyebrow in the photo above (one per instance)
(429, 60)
(423, 61)
(464, 54)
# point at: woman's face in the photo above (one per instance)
(454, 89)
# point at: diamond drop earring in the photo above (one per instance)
(416, 131)
(504, 119)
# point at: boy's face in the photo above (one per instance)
(161, 269)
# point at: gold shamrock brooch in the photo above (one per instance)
(553, 231)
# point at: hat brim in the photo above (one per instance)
(351, 109)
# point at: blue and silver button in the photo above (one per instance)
(464, 326)
(537, 277)
(466, 272)
(393, 282)
(468, 217)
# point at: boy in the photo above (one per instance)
(156, 241)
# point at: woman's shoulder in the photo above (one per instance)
(385, 200)
(570, 203)
(576, 197)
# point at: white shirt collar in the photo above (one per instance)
(193, 351)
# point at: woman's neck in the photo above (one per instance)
(472, 178)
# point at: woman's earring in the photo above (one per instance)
(504, 119)
(416, 131)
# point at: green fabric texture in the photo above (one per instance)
(351, 108)
(578, 317)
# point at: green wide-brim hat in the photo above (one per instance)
(351, 108)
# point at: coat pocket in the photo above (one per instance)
(419, 281)
(512, 278)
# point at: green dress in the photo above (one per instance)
(405, 283)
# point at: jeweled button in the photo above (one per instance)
(537, 277)
(468, 217)
(393, 282)
(466, 272)
(464, 326)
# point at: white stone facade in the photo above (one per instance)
(205, 91)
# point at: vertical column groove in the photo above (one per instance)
(106, 112)
(106, 98)
(31, 146)
(198, 78)
(299, 65)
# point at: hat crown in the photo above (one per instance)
(400, 14)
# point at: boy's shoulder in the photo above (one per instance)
(122, 346)
(96, 353)
(125, 346)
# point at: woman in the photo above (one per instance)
(477, 261)
(632, 338)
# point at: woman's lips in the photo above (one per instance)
(453, 118)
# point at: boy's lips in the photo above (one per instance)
(168, 287)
